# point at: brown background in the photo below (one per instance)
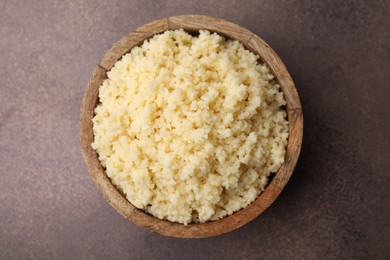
(337, 202)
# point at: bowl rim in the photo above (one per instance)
(192, 23)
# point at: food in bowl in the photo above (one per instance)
(189, 128)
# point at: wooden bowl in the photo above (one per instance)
(192, 23)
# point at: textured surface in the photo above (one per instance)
(335, 206)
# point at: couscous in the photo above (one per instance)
(189, 128)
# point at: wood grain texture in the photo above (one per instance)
(295, 119)
(192, 23)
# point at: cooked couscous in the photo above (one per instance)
(189, 128)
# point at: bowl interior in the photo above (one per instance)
(192, 24)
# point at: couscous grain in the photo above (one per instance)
(189, 128)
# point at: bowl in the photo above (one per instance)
(277, 181)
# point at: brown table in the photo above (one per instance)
(337, 202)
